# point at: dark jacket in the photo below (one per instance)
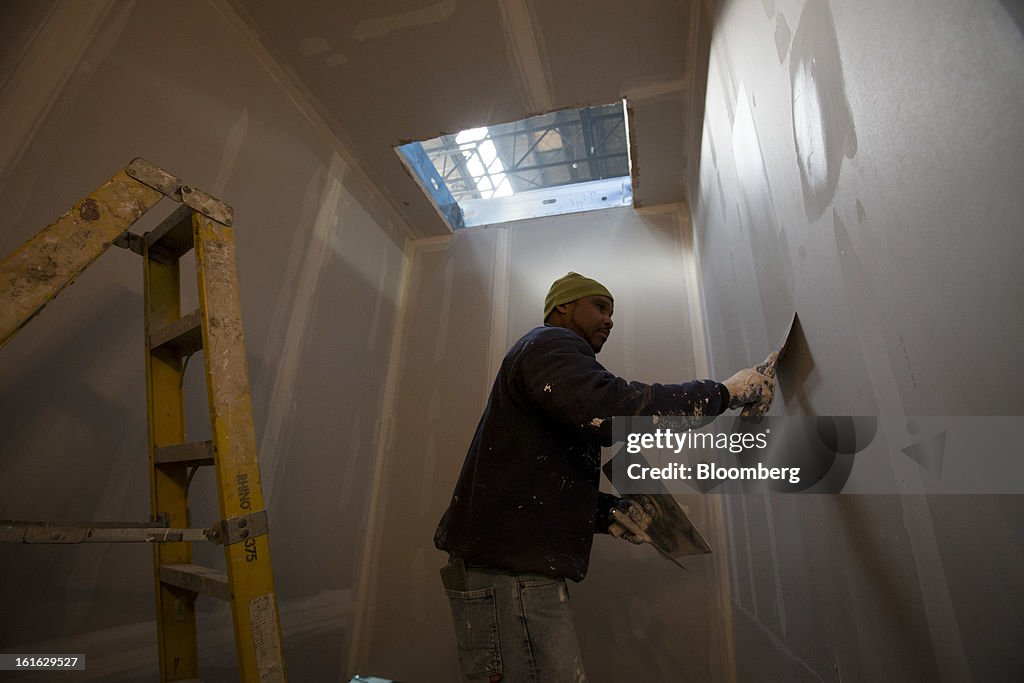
(527, 498)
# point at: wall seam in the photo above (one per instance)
(713, 504)
(498, 344)
(694, 294)
(363, 613)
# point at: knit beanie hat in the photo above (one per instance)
(571, 287)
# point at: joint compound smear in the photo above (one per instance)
(823, 128)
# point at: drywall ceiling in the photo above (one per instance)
(386, 72)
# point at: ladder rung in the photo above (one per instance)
(197, 579)
(185, 335)
(173, 237)
(196, 453)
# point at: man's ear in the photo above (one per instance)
(558, 312)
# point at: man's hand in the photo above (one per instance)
(630, 521)
(753, 388)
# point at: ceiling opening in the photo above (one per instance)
(565, 161)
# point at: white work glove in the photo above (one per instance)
(630, 521)
(753, 388)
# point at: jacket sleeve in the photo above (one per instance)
(563, 379)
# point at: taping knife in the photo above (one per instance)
(770, 368)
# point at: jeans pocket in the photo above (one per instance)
(475, 615)
(546, 595)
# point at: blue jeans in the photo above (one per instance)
(515, 627)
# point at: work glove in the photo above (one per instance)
(753, 388)
(629, 521)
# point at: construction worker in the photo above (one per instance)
(526, 505)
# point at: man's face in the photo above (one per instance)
(591, 318)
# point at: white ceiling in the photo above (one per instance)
(386, 72)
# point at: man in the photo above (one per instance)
(524, 511)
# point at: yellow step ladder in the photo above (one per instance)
(46, 263)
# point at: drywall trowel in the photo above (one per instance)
(671, 531)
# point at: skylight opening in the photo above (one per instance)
(484, 165)
(563, 162)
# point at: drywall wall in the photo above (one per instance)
(320, 262)
(470, 297)
(861, 165)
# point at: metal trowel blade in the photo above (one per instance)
(792, 332)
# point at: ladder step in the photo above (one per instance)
(197, 579)
(195, 454)
(184, 335)
(173, 237)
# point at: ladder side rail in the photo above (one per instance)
(247, 552)
(47, 262)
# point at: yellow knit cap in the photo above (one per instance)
(571, 287)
